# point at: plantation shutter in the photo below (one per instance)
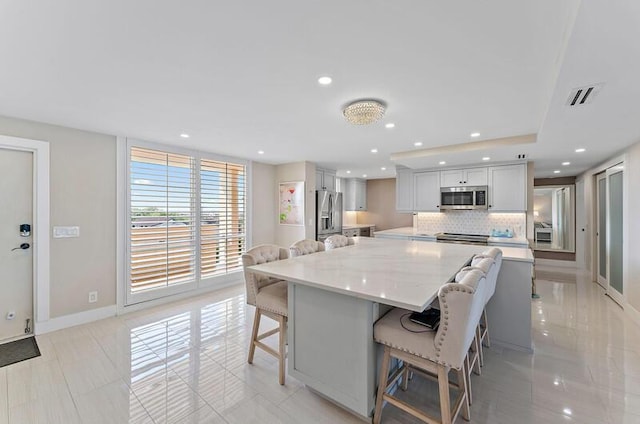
(222, 217)
(162, 217)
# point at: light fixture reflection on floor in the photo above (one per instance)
(364, 112)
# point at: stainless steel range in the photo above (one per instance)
(462, 238)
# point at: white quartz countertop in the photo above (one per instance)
(351, 226)
(507, 240)
(404, 231)
(399, 273)
(411, 232)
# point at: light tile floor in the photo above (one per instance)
(186, 363)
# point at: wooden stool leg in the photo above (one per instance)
(281, 359)
(382, 384)
(445, 401)
(486, 328)
(462, 384)
(476, 364)
(480, 352)
(405, 378)
(254, 335)
(467, 374)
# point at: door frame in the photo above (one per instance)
(603, 281)
(41, 207)
(612, 292)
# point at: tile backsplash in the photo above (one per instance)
(470, 222)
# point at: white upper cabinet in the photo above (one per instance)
(462, 177)
(508, 188)
(325, 179)
(427, 191)
(404, 190)
(355, 194)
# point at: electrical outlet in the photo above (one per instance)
(93, 297)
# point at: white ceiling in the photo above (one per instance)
(242, 78)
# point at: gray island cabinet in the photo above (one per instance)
(336, 296)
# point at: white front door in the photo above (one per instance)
(16, 266)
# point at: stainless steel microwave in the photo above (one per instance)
(463, 198)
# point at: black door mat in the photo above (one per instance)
(18, 351)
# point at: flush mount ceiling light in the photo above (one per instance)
(324, 80)
(389, 125)
(364, 112)
(374, 150)
(566, 163)
(261, 152)
(557, 171)
(442, 162)
(418, 143)
(383, 169)
(580, 150)
(475, 134)
(486, 158)
(348, 172)
(183, 135)
(364, 175)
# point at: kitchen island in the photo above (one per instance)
(336, 296)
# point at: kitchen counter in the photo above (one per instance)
(352, 226)
(409, 233)
(335, 297)
(406, 233)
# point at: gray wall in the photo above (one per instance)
(83, 193)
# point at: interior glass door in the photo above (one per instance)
(615, 232)
(601, 230)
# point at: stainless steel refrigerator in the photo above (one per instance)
(328, 214)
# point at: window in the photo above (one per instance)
(222, 217)
(170, 250)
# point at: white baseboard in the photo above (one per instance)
(72, 320)
(633, 313)
(556, 262)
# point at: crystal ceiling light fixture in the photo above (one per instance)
(364, 112)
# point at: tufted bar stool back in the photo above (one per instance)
(269, 296)
(433, 353)
(255, 256)
(306, 247)
(336, 241)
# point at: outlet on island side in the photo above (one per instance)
(93, 297)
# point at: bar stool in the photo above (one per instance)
(336, 241)
(305, 247)
(435, 353)
(492, 280)
(473, 360)
(269, 296)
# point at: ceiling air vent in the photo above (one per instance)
(522, 156)
(583, 95)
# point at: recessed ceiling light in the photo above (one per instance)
(183, 135)
(557, 171)
(580, 150)
(486, 158)
(567, 411)
(418, 143)
(566, 163)
(476, 134)
(389, 125)
(383, 169)
(348, 172)
(374, 150)
(442, 162)
(364, 175)
(261, 152)
(324, 80)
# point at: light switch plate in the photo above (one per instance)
(66, 232)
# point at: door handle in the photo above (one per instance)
(23, 246)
